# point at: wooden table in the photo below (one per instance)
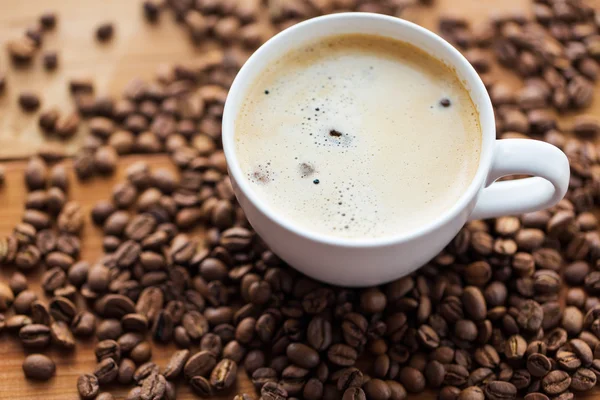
(137, 49)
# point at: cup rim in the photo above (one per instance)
(461, 65)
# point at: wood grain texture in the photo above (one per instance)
(137, 49)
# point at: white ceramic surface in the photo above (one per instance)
(372, 261)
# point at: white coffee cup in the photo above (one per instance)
(372, 261)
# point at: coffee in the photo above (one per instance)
(358, 136)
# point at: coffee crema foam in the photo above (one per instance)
(352, 136)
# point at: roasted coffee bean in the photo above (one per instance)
(62, 309)
(262, 376)
(154, 387)
(354, 393)
(412, 379)
(498, 390)
(224, 374)
(61, 335)
(88, 386)
(538, 365)
(106, 371)
(38, 367)
(144, 371)
(200, 363)
(556, 382)
(176, 364)
(201, 386)
(23, 302)
(302, 355)
(584, 379)
(582, 350)
(342, 355)
(40, 313)
(35, 335)
(107, 349)
(126, 371)
(141, 353)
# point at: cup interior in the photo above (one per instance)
(373, 24)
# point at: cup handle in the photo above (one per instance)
(547, 163)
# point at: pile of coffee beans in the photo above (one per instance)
(509, 309)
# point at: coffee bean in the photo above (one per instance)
(40, 313)
(556, 382)
(6, 296)
(200, 363)
(538, 365)
(62, 309)
(176, 364)
(154, 387)
(435, 373)
(497, 390)
(29, 101)
(354, 393)
(17, 283)
(584, 379)
(302, 355)
(144, 371)
(515, 347)
(412, 379)
(35, 335)
(106, 370)
(126, 371)
(342, 355)
(84, 324)
(38, 367)
(201, 386)
(61, 335)
(88, 386)
(110, 329)
(582, 350)
(377, 389)
(107, 349)
(223, 375)
(536, 396)
(471, 393)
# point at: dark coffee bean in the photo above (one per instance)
(435, 373)
(61, 335)
(538, 365)
(126, 371)
(162, 327)
(342, 355)
(35, 335)
(449, 393)
(108, 349)
(302, 355)
(568, 360)
(38, 367)
(106, 371)
(262, 376)
(224, 374)
(471, 393)
(62, 309)
(141, 353)
(583, 351)
(456, 375)
(377, 389)
(176, 364)
(412, 379)
(154, 387)
(134, 323)
(109, 329)
(88, 386)
(318, 333)
(498, 390)
(201, 386)
(200, 363)
(354, 393)
(584, 379)
(515, 347)
(144, 371)
(536, 396)
(556, 382)
(273, 391)
(115, 306)
(23, 302)
(40, 313)
(521, 379)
